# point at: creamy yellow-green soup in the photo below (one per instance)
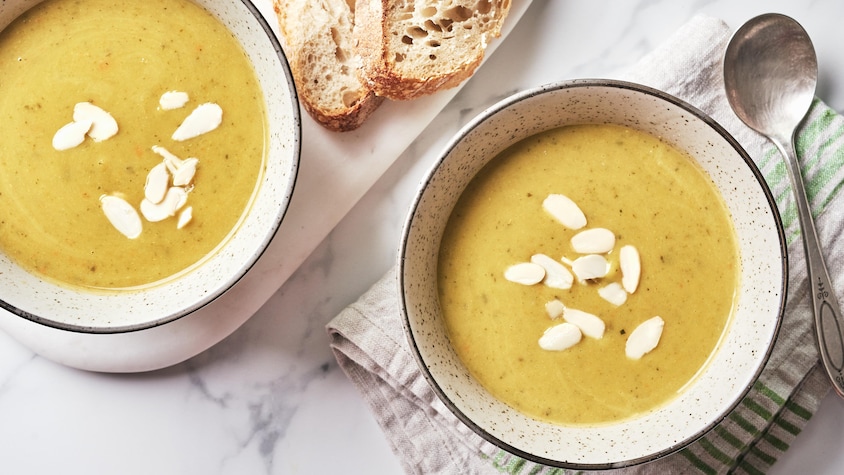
(650, 196)
(121, 56)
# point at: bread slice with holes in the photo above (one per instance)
(410, 48)
(317, 37)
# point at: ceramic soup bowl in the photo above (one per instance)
(745, 345)
(30, 297)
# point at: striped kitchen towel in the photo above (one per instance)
(370, 346)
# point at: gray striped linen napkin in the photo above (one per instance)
(369, 344)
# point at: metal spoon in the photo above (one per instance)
(770, 74)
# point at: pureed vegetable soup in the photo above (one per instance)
(148, 65)
(647, 197)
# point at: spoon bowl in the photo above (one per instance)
(770, 76)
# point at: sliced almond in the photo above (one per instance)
(185, 172)
(158, 181)
(644, 338)
(155, 212)
(564, 210)
(554, 309)
(122, 216)
(593, 241)
(557, 276)
(180, 196)
(172, 161)
(173, 201)
(71, 135)
(205, 118)
(613, 293)
(185, 216)
(591, 325)
(631, 268)
(173, 100)
(525, 273)
(593, 266)
(560, 337)
(165, 154)
(182, 170)
(103, 125)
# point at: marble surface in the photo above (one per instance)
(270, 397)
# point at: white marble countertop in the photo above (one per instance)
(270, 397)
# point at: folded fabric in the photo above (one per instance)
(368, 340)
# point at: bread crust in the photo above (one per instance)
(413, 48)
(317, 39)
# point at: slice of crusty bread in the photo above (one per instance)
(410, 48)
(317, 37)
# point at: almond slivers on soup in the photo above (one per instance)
(501, 293)
(98, 190)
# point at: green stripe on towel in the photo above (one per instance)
(697, 462)
(799, 410)
(757, 408)
(729, 437)
(761, 388)
(822, 137)
(715, 452)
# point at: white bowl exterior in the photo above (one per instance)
(28, 296)
(760, 298)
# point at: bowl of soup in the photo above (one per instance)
(151, 152)
(592, 275)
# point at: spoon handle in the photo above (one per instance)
(829, 325)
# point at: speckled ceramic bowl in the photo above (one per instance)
(745, 347)
(25, 295)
